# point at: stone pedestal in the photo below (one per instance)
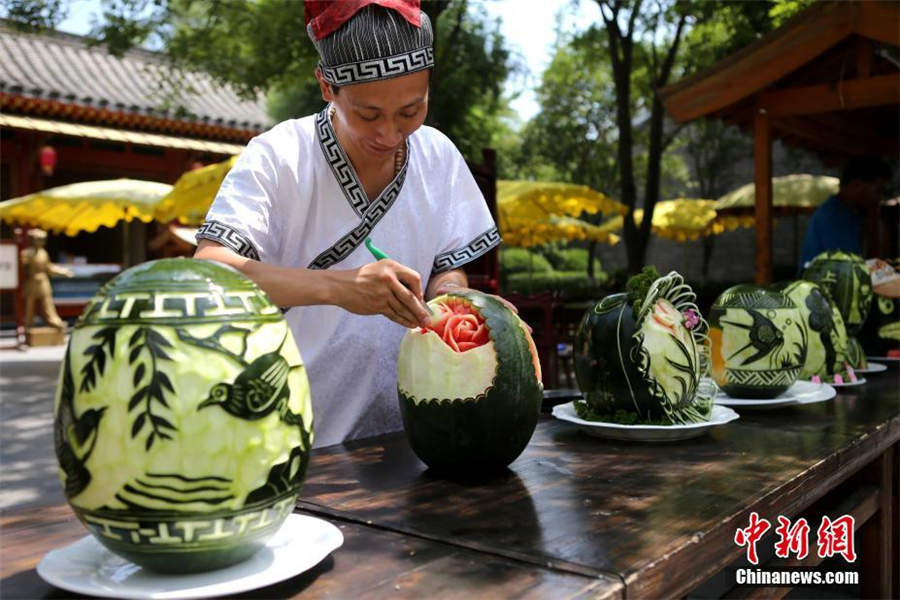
(44, 336)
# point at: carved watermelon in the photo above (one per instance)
(758, 341)
(644, 361)
(827, 348)
(183, 421)
(845, 277)
(469, 384)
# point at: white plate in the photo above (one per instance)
(644, 433)
(802, 392)
(889, 359)
(873, 367)
(87, 567)
(859, 381)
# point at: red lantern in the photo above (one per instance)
(47, 159)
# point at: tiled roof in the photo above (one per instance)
(61, 68)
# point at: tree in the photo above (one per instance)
(261, 46)
(575, 130)
(630, 27)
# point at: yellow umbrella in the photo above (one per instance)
(524, 201)
(680, 219)
(790, 194)
(526, 233)
(85, 206)
(189, 200)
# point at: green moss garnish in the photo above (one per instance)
(620, 417)
(638, 285)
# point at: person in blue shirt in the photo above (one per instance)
(841, 220)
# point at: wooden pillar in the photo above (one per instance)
(875, 535)
(762, 178)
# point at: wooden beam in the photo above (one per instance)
(877, 20)
(762, 178)
(865, 50)
(827, 97)
(825, 137)
(760, 64)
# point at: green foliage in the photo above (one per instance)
(783, 10)
(33, 15)
(571, 259)
(572, 137)
(472, 64)
(713, 150)
(519, 260)
(571, 285)
(261, 47)
(638, 285)
(588, 413)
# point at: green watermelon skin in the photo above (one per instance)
(759, 341)
(486, 433)
(845, 277)
(827, 349)
(183, 421)
(609, 383)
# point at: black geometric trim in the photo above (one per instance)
(379, 68)
(456, 258)
(229, 237)
(340, 164)
(370, 213)
(349, 242)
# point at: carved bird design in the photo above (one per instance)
(763, 333)
(74, 436)
(258, 390)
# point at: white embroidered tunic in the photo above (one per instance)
(293, 199)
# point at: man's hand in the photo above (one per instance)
(388, 288)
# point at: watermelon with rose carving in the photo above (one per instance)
(469, 384)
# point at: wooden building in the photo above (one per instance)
(70, 112)
(828, 80)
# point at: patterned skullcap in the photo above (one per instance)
(368, 40)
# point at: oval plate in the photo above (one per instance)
(873, 367)
(86, 567)
(802, 392)
(887, 359)
(644, 433)
(859, 381)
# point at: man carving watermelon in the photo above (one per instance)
(296, 208)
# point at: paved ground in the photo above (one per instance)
(28, 473)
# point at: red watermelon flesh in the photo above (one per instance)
(455, 322)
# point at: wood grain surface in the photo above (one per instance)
(372, 563)
(574, 516)
(662, 516)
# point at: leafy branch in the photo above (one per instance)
(96, 363)
(155, 345)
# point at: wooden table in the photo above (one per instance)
(576, 516)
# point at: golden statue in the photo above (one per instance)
(38, 270)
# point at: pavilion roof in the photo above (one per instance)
(829, 80)
(59, 75)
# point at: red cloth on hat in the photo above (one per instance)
(328, 15)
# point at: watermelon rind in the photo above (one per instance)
(472, 424)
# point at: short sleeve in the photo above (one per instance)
(469, 230)
(241, 216)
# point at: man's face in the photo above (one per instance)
(375, 118)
